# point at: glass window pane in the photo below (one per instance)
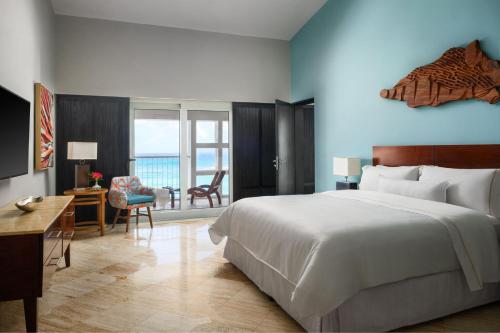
(204, 180)
(157, 161)
(206, 131)
(206, 158)
(225, 158)
(225, 185)
(225, 132)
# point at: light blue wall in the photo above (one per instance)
(351, 49)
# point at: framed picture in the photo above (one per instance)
(44, 128)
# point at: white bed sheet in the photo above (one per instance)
(332, 245)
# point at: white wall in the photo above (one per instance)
(26, 57)
(97, 57)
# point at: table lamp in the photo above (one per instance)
(346, 167)
(81, 152)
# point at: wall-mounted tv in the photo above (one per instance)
(14, 134)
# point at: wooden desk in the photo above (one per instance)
(89, 197)
(31, 246)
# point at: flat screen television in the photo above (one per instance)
(14, 134)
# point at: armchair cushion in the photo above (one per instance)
(133, 199)
(128, 191)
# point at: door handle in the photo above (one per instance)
(276, 163)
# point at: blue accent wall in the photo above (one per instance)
(351, 49)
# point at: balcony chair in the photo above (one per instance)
(206, 191)
(128, 193)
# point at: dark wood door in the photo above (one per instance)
(285, 148)
(253, 150)
(304, 149)
(104, 120)
(267, 149)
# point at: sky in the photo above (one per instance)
(161, 136)
(156, 137)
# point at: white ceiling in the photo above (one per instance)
(279, 19)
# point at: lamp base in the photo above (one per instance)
(81, 176)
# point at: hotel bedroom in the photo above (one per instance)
(250, 165)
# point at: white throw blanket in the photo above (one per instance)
(332, 245)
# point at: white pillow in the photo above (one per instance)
(415, 189)
(469, 188)
(371, 174)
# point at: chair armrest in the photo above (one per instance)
(204, 186)
(117, 199)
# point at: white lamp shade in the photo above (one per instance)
(346, 166)
(82, 150)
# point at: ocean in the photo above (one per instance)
(161, 171)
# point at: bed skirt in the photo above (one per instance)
(381, 308)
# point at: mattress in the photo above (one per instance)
(382, 308)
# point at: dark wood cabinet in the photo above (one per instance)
(253, 150)
(31, 246)
(273, 149)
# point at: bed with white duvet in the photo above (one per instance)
(363, 260)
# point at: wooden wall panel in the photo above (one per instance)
(104, 120)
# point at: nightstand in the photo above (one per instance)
(347, 186)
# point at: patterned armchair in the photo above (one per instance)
(127, 193)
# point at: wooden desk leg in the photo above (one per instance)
(67, 256)
(30, 314)
(102, 221)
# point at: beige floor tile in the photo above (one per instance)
(170, 279)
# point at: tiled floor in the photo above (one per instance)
(171, 278)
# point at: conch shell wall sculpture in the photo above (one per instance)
(460, 73)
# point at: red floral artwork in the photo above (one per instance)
(44, 128)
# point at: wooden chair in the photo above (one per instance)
(206, 191)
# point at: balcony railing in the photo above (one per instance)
(164, 171)
(158, 171)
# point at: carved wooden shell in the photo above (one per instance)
(460, 73)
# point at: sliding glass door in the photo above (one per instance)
(156, 150)
(182, 149)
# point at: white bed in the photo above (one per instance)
(363, 260)
(371, 261)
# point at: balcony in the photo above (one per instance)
(161, 171)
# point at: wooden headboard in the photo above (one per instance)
(459, 156)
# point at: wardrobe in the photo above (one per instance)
(273, 149)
